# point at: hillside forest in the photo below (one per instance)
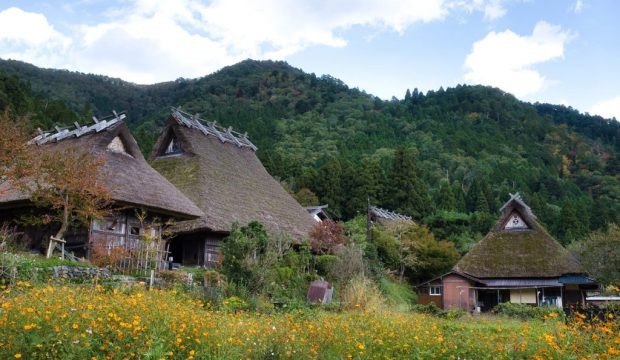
(449, 158)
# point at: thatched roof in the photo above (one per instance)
(131, 180)
(225, 178)
(517, 247)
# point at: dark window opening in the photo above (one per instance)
(173, 147)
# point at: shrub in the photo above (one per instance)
(324, 263)
(526, 312)
(234, 304)
(429, 308)
(327, 237)
(432, 309)
(105, 256)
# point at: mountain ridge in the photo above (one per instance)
(311, 130)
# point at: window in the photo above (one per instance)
(434, 290)
(173, 147)
(117, 146)
(515, 222)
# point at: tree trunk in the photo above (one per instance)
(63, 228)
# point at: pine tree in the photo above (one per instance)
(445, 198)
(568, 228)
(406, 192)
(328, 186)
(369, 186)
(459, 197)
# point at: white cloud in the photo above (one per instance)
(607, 108)
(28, 36)
(578, 8)
(147, 41)
(492, 9)
(505, 59)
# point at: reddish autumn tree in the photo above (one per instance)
(327, 237)
(69, 185)
(15, 154)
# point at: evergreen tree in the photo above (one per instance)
(569, 226)
(459, 197)
(369, 184)
(445, 198)
(406, 192)
(482, 205)
(329, 187)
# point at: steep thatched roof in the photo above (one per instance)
(220, 172)
(131, 180)
(517, 247)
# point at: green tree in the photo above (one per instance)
(599, 255)
(241, 251)
(369, 183)
(445, 198)
(406, 193)
(569, 227)
(328, 185)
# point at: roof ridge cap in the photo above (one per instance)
(225, 135)
(62, 133)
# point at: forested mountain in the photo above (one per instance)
(447, 157)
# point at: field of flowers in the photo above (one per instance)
(90, 322)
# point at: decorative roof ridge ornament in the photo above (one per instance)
(516, 197)
(212, 128)
(387, 214)
(59, 134)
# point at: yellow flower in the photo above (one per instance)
(361, 346)
(18, 356)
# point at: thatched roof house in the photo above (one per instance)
(517, 261)
(133, 183)
(219, 171)
(517, 247)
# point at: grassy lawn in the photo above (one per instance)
(90, 322)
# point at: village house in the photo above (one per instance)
(517, 262)
(133, 184)
(219, 171)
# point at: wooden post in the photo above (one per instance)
(52, 245)
(152, 280)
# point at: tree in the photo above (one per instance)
(241, 251)
(445, 198)
(368, 186)
(305, 197)
(433, 257)
(69, 186)
(406, 192)
(327, 237)
(569, 227)
(328, 185)
(15, 154)
(599, 255)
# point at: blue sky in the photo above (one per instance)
(557, 51)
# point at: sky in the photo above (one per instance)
(555, 51)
